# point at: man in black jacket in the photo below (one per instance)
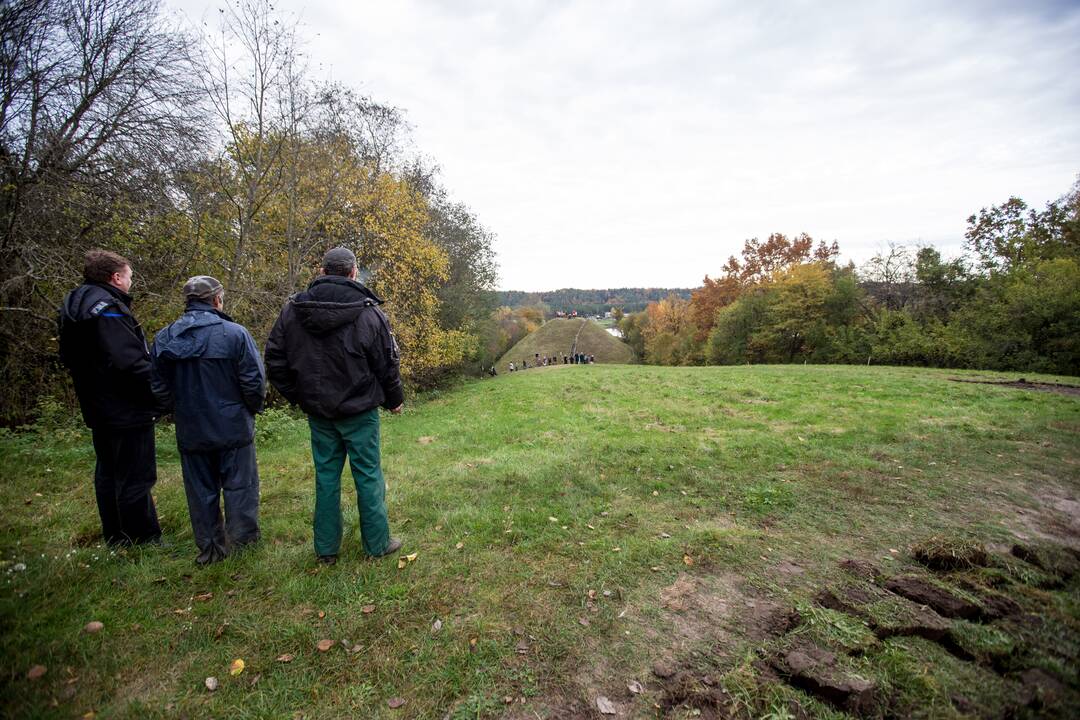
(103, 347)
(332, 353)
(208, 371)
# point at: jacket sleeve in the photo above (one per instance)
(385, 361)
(161, 382)
(250, 373)
(281, 375)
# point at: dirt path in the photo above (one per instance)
(573, 348)
(1022, 384)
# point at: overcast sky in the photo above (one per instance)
(639, 143)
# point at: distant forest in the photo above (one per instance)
(589, 302)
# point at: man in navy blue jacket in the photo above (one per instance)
(208, 370)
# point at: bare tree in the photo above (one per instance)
(96, 104)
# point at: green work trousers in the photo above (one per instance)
(331, 440)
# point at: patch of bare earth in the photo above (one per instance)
(1057, 517)
(1022, 384)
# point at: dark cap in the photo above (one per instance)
(201, 287)
(339, 261)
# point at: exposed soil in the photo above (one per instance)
(1023, 384)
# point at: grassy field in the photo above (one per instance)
(581, 534)
(557, 336)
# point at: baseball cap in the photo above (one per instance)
(201, 287)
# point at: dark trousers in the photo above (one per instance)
(126, 470)
(208, 476)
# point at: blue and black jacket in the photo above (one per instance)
(105, 350)
(209, 372)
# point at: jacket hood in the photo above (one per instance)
(330, 302)
(77, 303)
(182, 340)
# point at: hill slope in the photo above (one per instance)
(556, 337)
(572, 531)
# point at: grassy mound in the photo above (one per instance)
(575, 532)
(556, 338)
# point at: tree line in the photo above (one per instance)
(213, 152)
(588, 302)
(1011, 301)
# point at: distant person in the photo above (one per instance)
(565, 359)
(332, 352)
(103, 347)
(524, 364)
(209, 372)
(511, 366)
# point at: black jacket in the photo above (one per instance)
(208, 370)
(103, 346)
(332, 352)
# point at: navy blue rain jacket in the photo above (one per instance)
(207, 369)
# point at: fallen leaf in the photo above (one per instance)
(687, 560)
(552, 518)
(604, 705)
(635, 687)
(616, 549)
(35, 672)
(607, 593)
(655, 493)
(286, 658)
(589, 526)
(522, 647)
(425, 439)
(472, 645)
(459, 546)
(321, 614)
(655, 568)
(203, 597)
(236, 667)
(89, 715)
(94, 626)
(665, 535)
(158, 581)
(401, 563)
(324, 645)
(367, 609)
(436, 626)
(583, 622)
(395, 702)
(211, 683)
(411, 556)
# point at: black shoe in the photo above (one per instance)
(210, 556)
(326, 559)
(391, 547)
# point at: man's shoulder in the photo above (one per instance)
(90, 302)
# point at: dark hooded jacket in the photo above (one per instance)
(332, 352)
(103, 347)
(208, 371)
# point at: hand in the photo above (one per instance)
(397, 410)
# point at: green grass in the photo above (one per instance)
(555, 338)
(558, 486)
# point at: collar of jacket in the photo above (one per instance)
(200, 306)
(338, 280)
(114, 291)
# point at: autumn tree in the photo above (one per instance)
(761, 259)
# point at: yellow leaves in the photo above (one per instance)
(405, 560)
(236, 667)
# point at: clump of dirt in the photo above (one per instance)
(816, 670)
(943, 553)
(933, 596)
(1056, 560)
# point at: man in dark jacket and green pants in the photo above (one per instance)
(103, 346)
(332, 353)
(208, 370)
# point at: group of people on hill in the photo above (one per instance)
(573, 358)
(331, 352)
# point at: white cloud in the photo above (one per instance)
(639, 143)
